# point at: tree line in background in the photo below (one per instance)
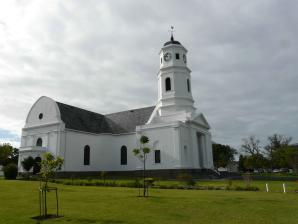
(276, 154)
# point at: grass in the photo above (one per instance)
(82, 204)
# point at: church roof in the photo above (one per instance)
(172, 42)
(122, 122)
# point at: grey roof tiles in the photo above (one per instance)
(116, 123)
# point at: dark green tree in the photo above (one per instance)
(8, 154)
(142, 154)
(276, 142)
(291, 156)
(222, 155)
(256, 161)
(286, 157)
(241, 163)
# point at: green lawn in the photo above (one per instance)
(82, 204)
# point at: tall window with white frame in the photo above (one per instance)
(168, 84)
(87, 155)
(123, 154)
(157, 156)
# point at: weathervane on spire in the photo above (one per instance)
(172, 31)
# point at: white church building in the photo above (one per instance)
(91, 142)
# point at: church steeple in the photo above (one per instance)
(174, 81)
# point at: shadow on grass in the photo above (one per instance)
(90, 221)
(43, 218)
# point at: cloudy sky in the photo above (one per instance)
(103, 56)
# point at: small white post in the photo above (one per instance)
(284, 187)
(267, 187)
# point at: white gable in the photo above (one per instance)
(200, 120)
(43, 111)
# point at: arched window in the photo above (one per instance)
(123, 155)
(39, 142)
(168, 84)
(188, 85)
(87, 155)
(157, 156)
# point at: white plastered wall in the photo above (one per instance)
(104, 151)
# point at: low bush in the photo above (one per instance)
(10, 171)
(246, 188)
(137, 183)
(186, 178)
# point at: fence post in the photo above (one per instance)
(267, 187)
(284, 187)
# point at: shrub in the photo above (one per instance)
(247, 188)
(191, 182)
(230, 183)
(137, 183)
(186, 178)
(10, 171)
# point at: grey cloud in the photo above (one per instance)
(103, 56)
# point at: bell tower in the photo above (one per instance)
(175, 101)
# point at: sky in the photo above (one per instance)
(103, 56)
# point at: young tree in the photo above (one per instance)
(222, 155)
(142, 153)
(27, 164)
(49, 165)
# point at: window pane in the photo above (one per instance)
(188, 85)
(87, 155)
(168, 84)
(123, 155)
(39, 142)
(157, 156)
(177, 56)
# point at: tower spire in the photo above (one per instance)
(172, 31)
